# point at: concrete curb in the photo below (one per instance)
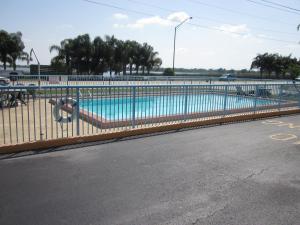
(41, 145)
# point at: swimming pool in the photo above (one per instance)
(166, 105)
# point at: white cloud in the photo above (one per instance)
(120, 16)
(116, 25)
(241, 29)
(170, 20)
(65, 27)
(155, 20)
(178, 16)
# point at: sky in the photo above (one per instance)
(222, 34)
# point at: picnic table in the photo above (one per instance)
(12, 96)
(264, 92)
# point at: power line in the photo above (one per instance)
(273, 7)
(209, 19)
(117, 7)
(192, 24)
(239, 12)
(284, 6)
(241, 34)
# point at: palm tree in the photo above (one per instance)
(110, 52)
(270, 63)
(123, 54)
(133, 48)
(64, 53)
(153, 62)
(17, 50)
(146, 51)
(83, 56)
(120, 57)
(98, 63)
(259, 63)
(81, 52)
(138, 58)
(6, 45)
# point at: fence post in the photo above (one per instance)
(255, 99)
(280, 97)
(133, 106)
(225, 99)
(185, 102)
(77, 112)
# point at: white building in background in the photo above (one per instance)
(21, 70)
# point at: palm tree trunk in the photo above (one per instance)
(130, 68)
(14, 64)
(261, 73)
(124, 69)
(143, 68)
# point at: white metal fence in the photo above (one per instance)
(30, 113)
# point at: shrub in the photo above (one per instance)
(168, 72)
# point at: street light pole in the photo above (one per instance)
(175, 33)
(39, 66)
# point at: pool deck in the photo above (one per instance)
(237, 174)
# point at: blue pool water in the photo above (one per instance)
(155, 106)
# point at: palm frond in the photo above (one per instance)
(54, 48)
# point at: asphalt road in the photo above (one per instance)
(237, 174)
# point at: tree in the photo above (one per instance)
(110, 52)
(294, 71)
(81, 52)
(121, 56)
(12, 49)
(273, 63)
(168, 72)
(81, 55)
(132, 53)
(98, 63)
(64, 54)
(259, 63)
(5, 45)
(17, 49)
(137, 60)
(153, 61)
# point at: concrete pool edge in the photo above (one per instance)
(47, 144)
(103, 123)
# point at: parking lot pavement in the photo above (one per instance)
(237, 174)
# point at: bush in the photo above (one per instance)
(294, 71)
(168, 72)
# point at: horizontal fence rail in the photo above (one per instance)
(32, 113)
(54, 80)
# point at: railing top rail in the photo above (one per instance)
(138, 85)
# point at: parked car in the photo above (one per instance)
(227, 77)
(4, 81)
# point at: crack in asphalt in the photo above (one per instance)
(233, 184)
